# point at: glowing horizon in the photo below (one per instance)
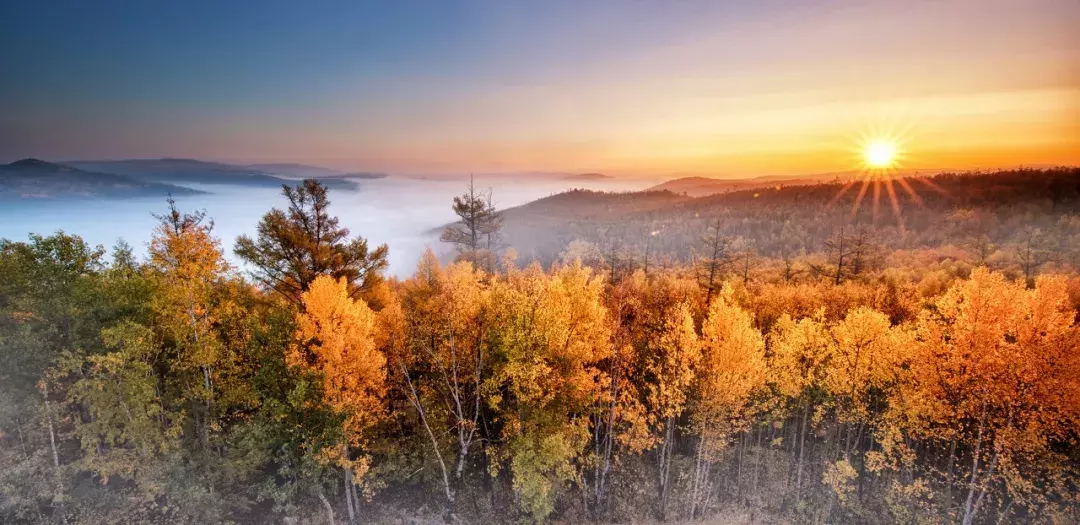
(742, 89)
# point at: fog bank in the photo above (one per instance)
(400, 212)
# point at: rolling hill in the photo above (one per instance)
(37, 179)
(191, 171)
(784, 217)
(702, 186)
(181, 171)
(306, 171)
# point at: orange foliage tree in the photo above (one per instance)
(335, 340)
(731, 369)
(994, 386)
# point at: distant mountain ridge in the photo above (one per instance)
(191, 171)
(671, 223)
(699, 186)
(37, 179)
(588, 176)
(181, 171)
(295, 170)
(307, 171)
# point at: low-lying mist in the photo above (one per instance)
(400, 212)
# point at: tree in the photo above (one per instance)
(186, 265)
(675, 352)
(129, 434)
(296, 246)
(716, 259)
(444, 361)
(619, 424)
(800, 354)
(744, 257)
(995, 377)
(1033, 250)
(731, 369)
(973, 229)
(552, 334)
(335, 341)
(476, 234)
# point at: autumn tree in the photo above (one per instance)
(295, 246)
(993, 387)
(731, 369)
(552, 334)
(800, 354)
(335, 341)
(620, 427)
(186, 264)
(444, 361)
(1033, 249)
(674, 354)
(973, 229)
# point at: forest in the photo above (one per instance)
(778, 355)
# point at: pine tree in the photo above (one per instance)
(476, 234)
(296, 246)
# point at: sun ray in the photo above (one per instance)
(847, 186)
(858, 199)
(895, 204)
(933, 186)
(879, 151)
(877, 198)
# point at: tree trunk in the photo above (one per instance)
(349, 502)
(801, 460)
(969, 504)
(329, 508)
(665, 467)
(59, 496)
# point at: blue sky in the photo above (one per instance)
(446, 86)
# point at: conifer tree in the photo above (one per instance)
(295, 246)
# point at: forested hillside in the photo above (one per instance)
(765, 355)
(999, 211)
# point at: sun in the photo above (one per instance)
(880, 153)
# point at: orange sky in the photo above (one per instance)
(644, 88)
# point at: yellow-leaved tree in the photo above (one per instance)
(731, 369)
(994, 389)
(443, 364)
(187, 268)
(800, 352)
(670, 366)
(866, 363)
(335, 341)
(552, 332)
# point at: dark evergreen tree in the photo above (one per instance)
(296, 245)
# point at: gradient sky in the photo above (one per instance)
(719, 88)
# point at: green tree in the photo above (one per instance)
(297, 245)
(476, 234)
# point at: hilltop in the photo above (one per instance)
(38, 179)
(588, 176)
(307, 171)
(698, 186)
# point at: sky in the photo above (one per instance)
(717, 88)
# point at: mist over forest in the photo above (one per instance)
(403, 212)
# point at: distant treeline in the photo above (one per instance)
(1000, 209)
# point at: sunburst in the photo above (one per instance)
(879, 153)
